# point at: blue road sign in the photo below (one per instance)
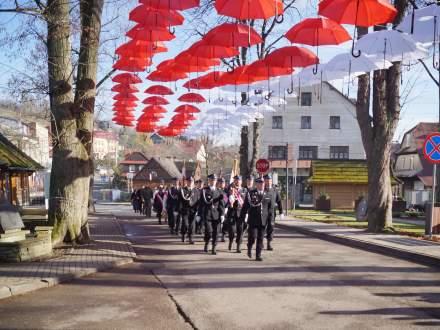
(431, 148)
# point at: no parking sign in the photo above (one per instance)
(431, 148)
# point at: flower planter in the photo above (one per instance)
(322, 204)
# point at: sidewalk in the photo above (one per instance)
(109, 249)
(403, 247)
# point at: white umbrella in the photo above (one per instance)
(354, 65)
(218, 110)
(225, 100)
(423, 30)
(266, 108)
(391, 45)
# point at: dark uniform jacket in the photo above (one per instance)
(276, 201)
(185, 195)
(172, 199)
(195, 199)
(158, 201)
(212, 205)
(147, 194)
(259, 208)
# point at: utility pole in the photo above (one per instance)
(287, 178)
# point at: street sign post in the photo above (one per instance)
(262, 166)
(431, 151)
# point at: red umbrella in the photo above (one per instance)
(123, 122)
(171, 5)
(132, 64)
(125, 97)
(124, 88)
(186, 58)
(201, 49)
(126, 78)
(187, 108)
(238, 77)
(364, 13)
(122, 103)
(207, 81)
(169, 131)
(140, 32)
(166, 76)
(155, 100)
(291, 56)
(317, 32)
(249, 9)
(139, 48)
(183, 117)
(185, 65)
(152, 116)
(159, 90)
(192, 98)
(154, 109)
(232, 35)
(148, 16)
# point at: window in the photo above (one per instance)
(277, 122)
(306, 122)
(335, 122)
(308, 152)
(339, 152)
(277, 152)
(131, 168)
(306, 99)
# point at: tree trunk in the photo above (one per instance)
(244, 151)
(69, 156)
(377, 133)
(91, 11)
(255, 147)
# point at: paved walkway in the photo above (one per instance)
(413, 248)
(110, 248)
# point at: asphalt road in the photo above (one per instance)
(305, 283)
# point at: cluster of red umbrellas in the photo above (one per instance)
(155, 21)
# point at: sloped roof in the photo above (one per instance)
(11, 157)
(165, 169)
(134, 157)
(190, 167)
(418, 133)
(340, 172)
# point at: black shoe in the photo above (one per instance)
(206, 248)
(258, 258)
(249, 253)
(269, 247)
(238, 248)
(191, 241)
(223, 238)
(230, 246)
(183, 238)
(213, 252)
(172, 231)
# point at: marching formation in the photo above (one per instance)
(217, 211)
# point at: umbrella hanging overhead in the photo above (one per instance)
(364, 13)
(159, 90)
(171, 4)
(232, 35)
(149, 16)
(249, 9)
(291, 57)
(192, 98)
(139, 32)
(208, 81)
(361, 64)
(122, 88)
(187, 108)
(424, 29)
(132, 64)
(125, 97)
(155, 100)
(127, 78)
(203, 50)
(317, 32)
(391, 45)
(154, 109)
(139, 48)
(165, 76)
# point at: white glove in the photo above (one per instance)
(222, 218)
(282, 216)
(176, 214)
(246, 218)
(198, 218)
(225, 211)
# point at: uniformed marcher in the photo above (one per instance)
(158, 204)
(236, 196)
(172, 204)
(211, 209)
(197, 193)
(276, 203)
(186, 211)
(258, 208)
(221, 184)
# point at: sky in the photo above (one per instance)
(421, 103)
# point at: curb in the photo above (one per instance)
(407, 255)
(27, 287)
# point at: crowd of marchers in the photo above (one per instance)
(216, 210)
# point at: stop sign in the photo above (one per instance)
(262, 166)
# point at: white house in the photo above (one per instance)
(313, 125)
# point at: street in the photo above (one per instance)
(305, 283)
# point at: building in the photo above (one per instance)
(412, 168)
(132, 163)
(157, 170)
(106, 145)
(313, 125)
(15, 169)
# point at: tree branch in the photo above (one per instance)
(429, 72)
(108, 75)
